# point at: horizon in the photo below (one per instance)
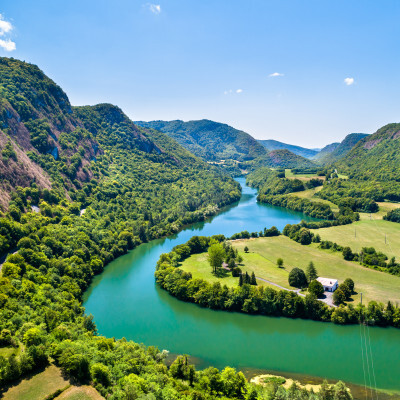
(305, 74)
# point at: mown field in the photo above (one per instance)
(50, 383)
(368, 232)
(264, 252)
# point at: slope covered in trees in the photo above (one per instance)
(133, 186)
(210, 140)
(335, 151)
(271, 145)
(279, 159)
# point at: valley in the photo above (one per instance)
(147, 189)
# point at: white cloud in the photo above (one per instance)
(154, 8)
(275, 74)
(230, 91)
(7, 45)
(5, 26)
(349, 81)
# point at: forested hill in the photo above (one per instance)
(279, 159)
(300, 151)
(340, 150)
(210, 140)
(375, 157)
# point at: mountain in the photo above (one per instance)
(326, 150)
(375, 157)
(62, 152)
(300, 151)
(279, 159)
(335, 151)
(213, 141)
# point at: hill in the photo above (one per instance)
(271, 145)
(280, 159)
(332, 152)
(213, 141)
(376, 156)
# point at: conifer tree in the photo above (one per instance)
(311, 272)
(240, 280)
(253, 279)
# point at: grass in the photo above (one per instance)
(80, 393)
(303, 177)
(262, 258)
(310, 195)
(373, 284)
(199, 266)
(6, 352)
(39, 386)
(366, 233)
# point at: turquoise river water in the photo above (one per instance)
(126, 302)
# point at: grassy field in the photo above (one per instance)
(366, 233)
(39, 386)
(310, 195)
(303, 177)
(264, 252)
(198, 265)
(373, 284)
(80, 393)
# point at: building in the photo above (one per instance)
(330, 285)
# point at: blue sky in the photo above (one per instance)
(215, 59)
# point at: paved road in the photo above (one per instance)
(328, 295)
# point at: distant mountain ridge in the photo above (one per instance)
(335, 151)
(213, 141)
(271, 145)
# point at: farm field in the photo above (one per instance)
(264, 252)
(80, 393)
(309, 194)
(39, 386)
(366, 233)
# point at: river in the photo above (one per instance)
(126, 303)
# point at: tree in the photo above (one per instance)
(216, 256)
(350, 283)
(241, 280)
(346, 290)
(279, 262)
(239, 259)
(246, 278)
(316, 288)
(231, 264)
(347, 254)
(311, 272)
(338, 297)
(305, 236)
(246, 249)
(340, 392)
(236, 271)
(253, 280)
(297, 278)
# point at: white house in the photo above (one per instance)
(330, 285)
